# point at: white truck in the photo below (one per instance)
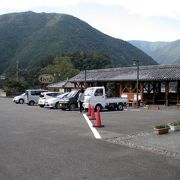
(96, 96)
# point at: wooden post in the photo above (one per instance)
(159, 87)
(166, 93)
(178, 91)
(142, 91)
(154, 92)
(105, 85)
(120, 88)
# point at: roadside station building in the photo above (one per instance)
(63, 86)
(157, 84)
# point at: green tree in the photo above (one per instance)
(62, 68)
(90, 60)
(13, 87)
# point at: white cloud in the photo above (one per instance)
(154, 7)
(143, 7)
(125, 19)
(147, 7)
(27, 4)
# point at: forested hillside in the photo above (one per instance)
(30, 38)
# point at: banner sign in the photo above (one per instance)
(46, 78)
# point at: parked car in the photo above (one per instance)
(32, 96)
(20, 99)
(54, 102)
(70, 101)
(46, 95)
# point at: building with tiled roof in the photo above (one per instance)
(146, 73)
(157, 83)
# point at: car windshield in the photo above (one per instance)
(72, 94)
(89, 92)
(62, 95)
(56, 94)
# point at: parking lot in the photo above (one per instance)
(38, 143)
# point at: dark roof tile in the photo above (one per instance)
(155, 72)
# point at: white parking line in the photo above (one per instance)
(95, 132)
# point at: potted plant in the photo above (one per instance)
(161, 129)
(174, 126)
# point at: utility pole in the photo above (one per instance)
(85, 83)
(17, 71)
(136, 63)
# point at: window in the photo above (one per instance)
(99, 92)
(36, 93)
(50, 94)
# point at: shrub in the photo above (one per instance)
(161, 126)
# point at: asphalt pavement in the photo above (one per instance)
(40, 144)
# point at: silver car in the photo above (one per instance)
(53, 102)
(45, 96)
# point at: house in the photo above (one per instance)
(63, 86)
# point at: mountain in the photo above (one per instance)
(148, 46)
(162, 52)
(169, 54)
(29, 37)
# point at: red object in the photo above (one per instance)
(98, 119)
(89, 110)
(92, 117)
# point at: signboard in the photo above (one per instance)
(2, 77)
(46, 78)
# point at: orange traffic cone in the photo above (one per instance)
(89, 110)
(98, 119)
(92, 117)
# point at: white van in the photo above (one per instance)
(32, 96)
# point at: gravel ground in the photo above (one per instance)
(149, 142)
(134, 128)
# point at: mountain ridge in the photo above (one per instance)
(162, 52)
(28, 37)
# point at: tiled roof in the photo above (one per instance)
(62, 84)
(147, 73)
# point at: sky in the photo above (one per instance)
(148, 20)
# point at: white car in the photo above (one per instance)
(46, 95)
(53, 102)
(20, 99)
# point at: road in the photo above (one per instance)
(42, 144)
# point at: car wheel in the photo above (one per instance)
(120, 107)
(21, 101)
(31, 103)
(72, 107)
(57, 106)
(98, 106)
